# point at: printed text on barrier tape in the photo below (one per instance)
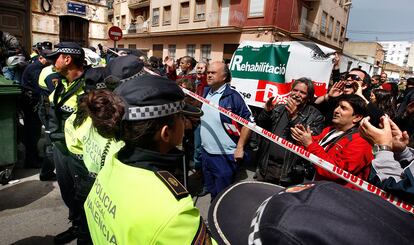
(309, 156)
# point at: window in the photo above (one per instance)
(123, 21)
(110, 4)
(342, 32)
(117, 21)
(206, 52)
(155, 16)
(200, 10)
(330, 26)
(256, 8)
(342, 36)
(191, 50)
(132, 46)
(171, 51)
(110, 19)
(323, 22)
(166, 16)
(157, 50)
(337, 27)
(185, 12)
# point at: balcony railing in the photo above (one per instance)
(134, 4)
(234, 18)
(138, 28)
(309, 28)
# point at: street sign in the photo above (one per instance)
(76, 8)
(115, 33)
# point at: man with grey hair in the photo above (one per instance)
(275, 164)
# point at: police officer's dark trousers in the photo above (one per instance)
(31, 129)
(83, 183)
(65, 179)
(47, 165)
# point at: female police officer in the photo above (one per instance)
(135, 199)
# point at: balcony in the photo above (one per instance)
(138, 27)
(134, 4)
(233, 19)
(310, 29)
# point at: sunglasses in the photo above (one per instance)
(353, 77)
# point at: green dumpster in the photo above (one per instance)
(9, 93)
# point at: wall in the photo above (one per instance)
(45, 25)
(217, 42)
(347, 59)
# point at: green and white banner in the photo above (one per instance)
(262, 70)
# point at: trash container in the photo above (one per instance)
(9, 92)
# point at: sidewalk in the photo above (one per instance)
(32, 211)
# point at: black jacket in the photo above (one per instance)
(154, 161)
(308, 116)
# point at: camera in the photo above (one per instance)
(298, 173)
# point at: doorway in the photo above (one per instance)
(74, 29)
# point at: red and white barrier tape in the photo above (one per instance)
(358, 182)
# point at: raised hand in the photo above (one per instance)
(270, 105)
(292, 108)
(301, 134)
(379, 136)
(337, 89)
(400, 139)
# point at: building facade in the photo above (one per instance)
(397, 52)
(32, 21)
(15, 19)
(212, 29)
(368, 52)
(81, 21)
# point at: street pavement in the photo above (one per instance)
(32, 211)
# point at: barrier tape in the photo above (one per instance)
(356, 181)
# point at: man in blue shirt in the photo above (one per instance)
(222, 139)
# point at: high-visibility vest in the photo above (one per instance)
(131, 205)
(43, 74)
(87, 144)
(62, 105)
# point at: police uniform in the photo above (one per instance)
(135, 198)
(48, 79)
(91, 149)
(154, 208)
(63, 102)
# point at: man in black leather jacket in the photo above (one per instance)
(275, 164)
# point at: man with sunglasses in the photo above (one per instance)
(357, 81)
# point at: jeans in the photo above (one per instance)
(218, 171)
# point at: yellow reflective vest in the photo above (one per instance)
(43, 74)
(131, 205)
(87, 144)
(63, 104)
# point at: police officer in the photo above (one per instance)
(68, 60)
(135, 198)
(48, 79)
(89, 144)
(29, 105)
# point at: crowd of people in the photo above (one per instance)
(122, 136)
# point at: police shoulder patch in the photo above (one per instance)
(173, 184)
